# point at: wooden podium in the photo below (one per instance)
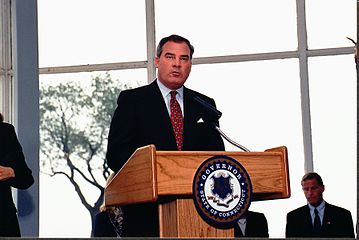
(166, 177)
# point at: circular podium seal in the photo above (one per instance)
(222, 191)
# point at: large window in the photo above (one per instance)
(237, 27)
(251, 56)
(334, 108)
(88, 32)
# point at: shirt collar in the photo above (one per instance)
(320, 208)
(166, 91)
(242, 221)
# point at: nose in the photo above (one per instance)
(177, 62)
(309, 192)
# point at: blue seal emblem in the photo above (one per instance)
(222, 191)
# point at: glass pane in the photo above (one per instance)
(88, 32)
(72, 121)
(261, 110)
(333, 100)
(330, 22)
(236, 27)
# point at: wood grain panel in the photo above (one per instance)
(150, 174)
(157, 176)
(268, 171)
(136, 181)
(179, 218)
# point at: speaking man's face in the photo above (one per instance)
(174, 65)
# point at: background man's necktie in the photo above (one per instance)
(317, 225)
(177, 120)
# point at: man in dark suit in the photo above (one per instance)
(13, 173)
(144, 116)
(253, 224)
(318, 218)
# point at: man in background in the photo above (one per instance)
(318, 218)
(252, 224)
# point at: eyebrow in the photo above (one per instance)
(172, 54)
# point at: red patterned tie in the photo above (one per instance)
(177, 120)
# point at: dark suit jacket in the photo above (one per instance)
(337, 223)
(256, 226)
(141, 118)
(11, 155)
(103, 226)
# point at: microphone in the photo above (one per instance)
(215, 116)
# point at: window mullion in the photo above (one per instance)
(151, 39)
(304, 86)
(5, 61)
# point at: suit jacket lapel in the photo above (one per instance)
(253, 227)
(158, 104)
(190, 118)
(160, 113)
(237, 230)
(308, 219)
(328, 215)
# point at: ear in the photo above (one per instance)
(157, 60)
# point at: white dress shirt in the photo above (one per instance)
(320, 209)
(242, 222)
(167, 96)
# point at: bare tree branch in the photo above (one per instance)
(74, 125)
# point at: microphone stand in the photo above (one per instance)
(214, 116)
(230, 140)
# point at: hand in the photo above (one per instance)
(6, 173)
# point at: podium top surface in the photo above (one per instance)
(150, 174)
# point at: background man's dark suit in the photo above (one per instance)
(256, 226)
(337, 223)
(142, 118)
(11, 155)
